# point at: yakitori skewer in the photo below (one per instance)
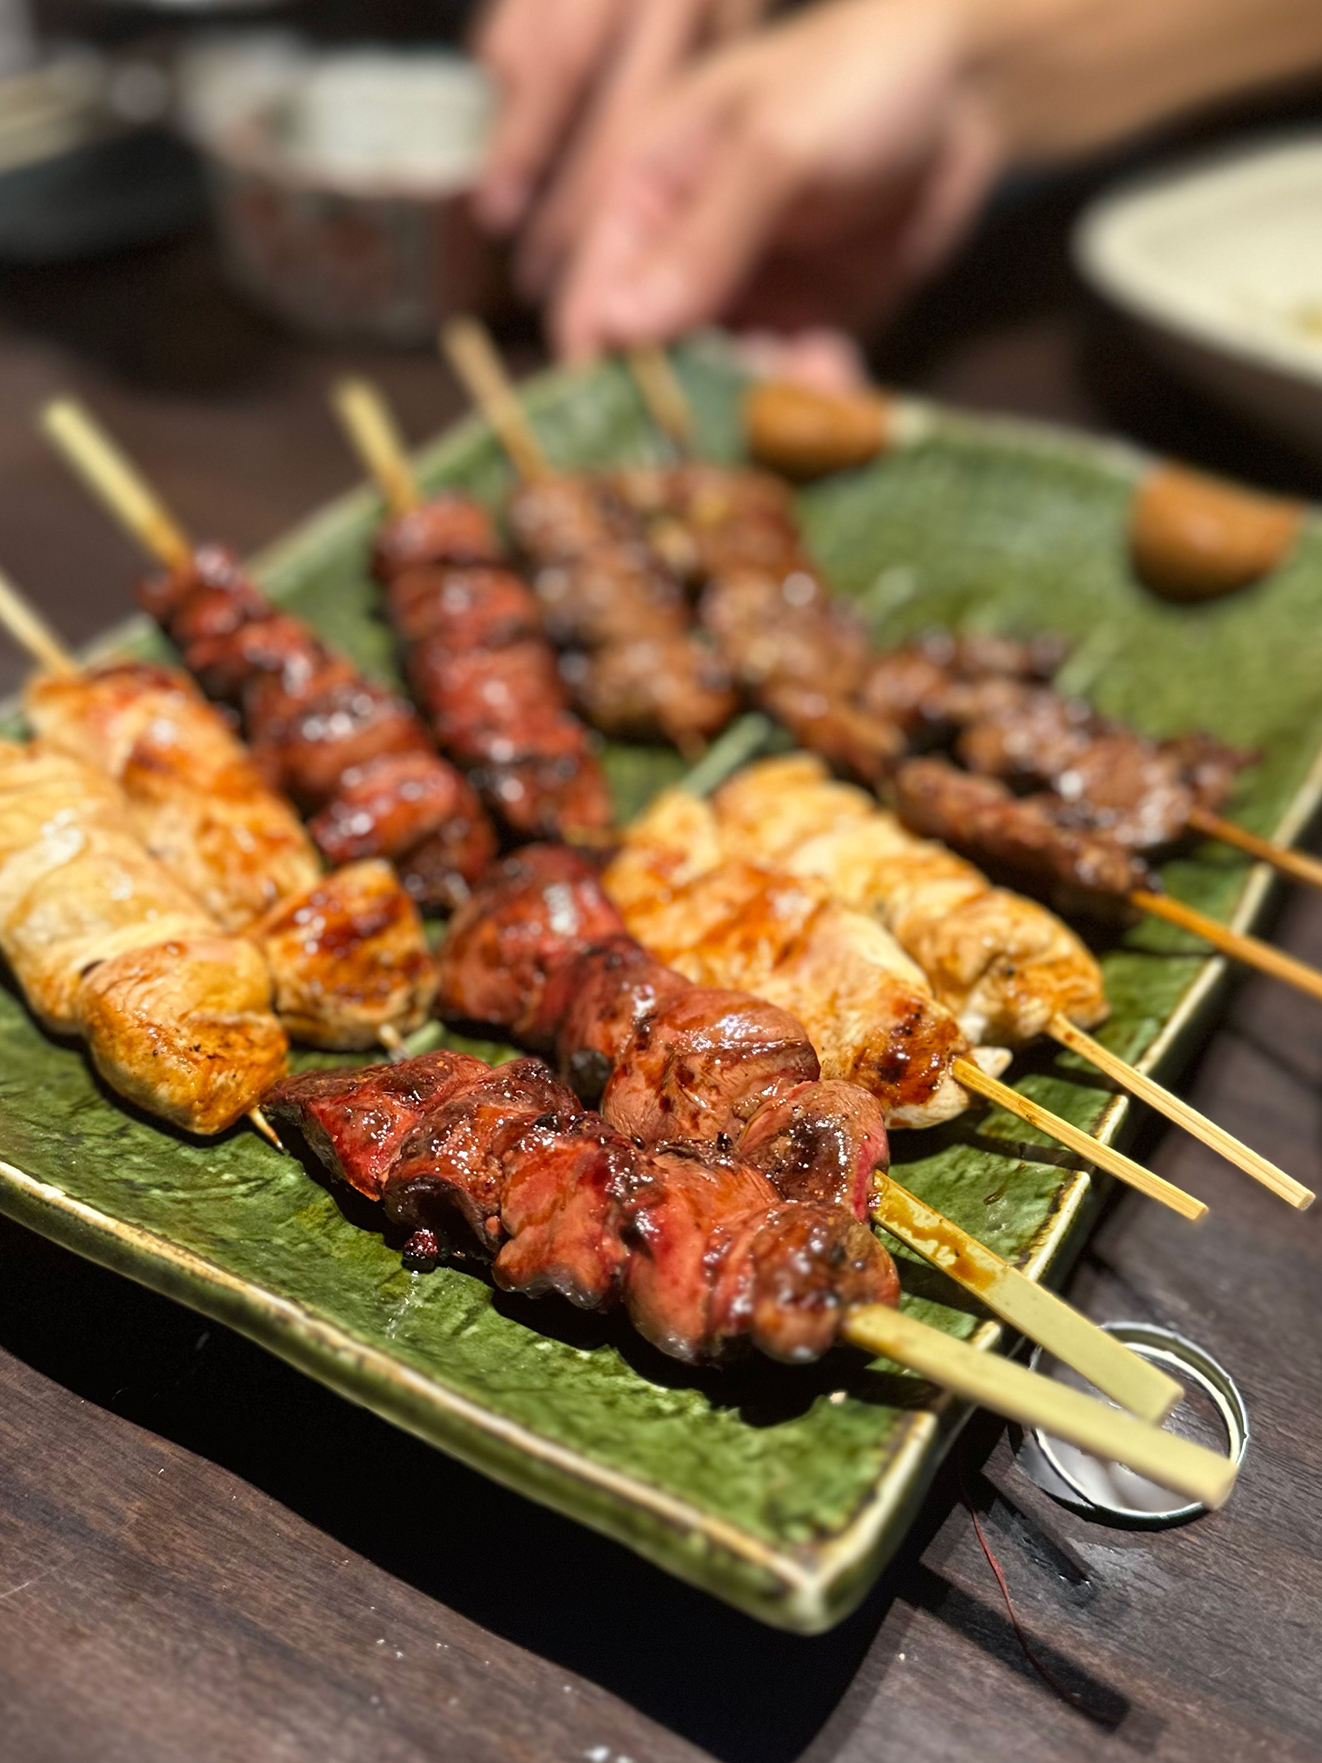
(542, 954)
(356, 758)
(476, 361)
(694, 1244)
(347, 952)
(473, 645)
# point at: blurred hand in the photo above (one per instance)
(573, 76)
(838, 155)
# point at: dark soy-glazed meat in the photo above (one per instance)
(534, 911)
(319, 729)
(1027, 837)
(595, 1003)
(481, 667)
(565, 516)
(703, 1065)
(823, 1142)
(639, 688)
(354, 1122)
(1138, 791)
(614, 594)
(448, 1176)
(721, 1257)
(541, 952)
(773, 628)
(699, 1248)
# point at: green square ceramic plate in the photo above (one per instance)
(782, 1491)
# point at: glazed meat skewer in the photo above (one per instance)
(347, 954)
(693, 1244)
(475, 650)
(541, 952)
(355, 759)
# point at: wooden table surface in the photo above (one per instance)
(205, 1557)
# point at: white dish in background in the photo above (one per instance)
(1221, 262)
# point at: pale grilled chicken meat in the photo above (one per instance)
(695, 1245)
(1002, 963)
(868, 1008)
(196, 799)
(106, 944)
(348, 953)
(349, 958)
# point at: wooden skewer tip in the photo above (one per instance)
(116, 482)
(371, 427)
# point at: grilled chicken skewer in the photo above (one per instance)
(476, 656)
(694, 1244)
(348, 957)
(355, 759)
(541, 952)
(107, 945)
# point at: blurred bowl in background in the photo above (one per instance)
(1220, 263)
(342, 179)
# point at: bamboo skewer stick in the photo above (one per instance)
(974, 1078)
(370, 425)
(1013, 1391)
(1252, 951)
(1296, 864)
(1197, 1473)
(665, 398)
(472, 355)
(1061, 1029)
(120, 487)
(31, 632)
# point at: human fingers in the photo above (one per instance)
(657, 39)
(543, 59)
(681, 222)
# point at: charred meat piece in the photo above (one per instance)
(354, 1122)
(593, 1005)
(787, 627)
(1138, 791)
(421, 814)
(448, 1176)
(824, 1142)
(609, 595)
(443, 529)
(701, 1066)
(1028, 837)
(533, 912)
(852, 741)
(672, 687)
(312, 718)
(484, 673)
(565, 516)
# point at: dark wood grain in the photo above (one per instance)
(205, 1557)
